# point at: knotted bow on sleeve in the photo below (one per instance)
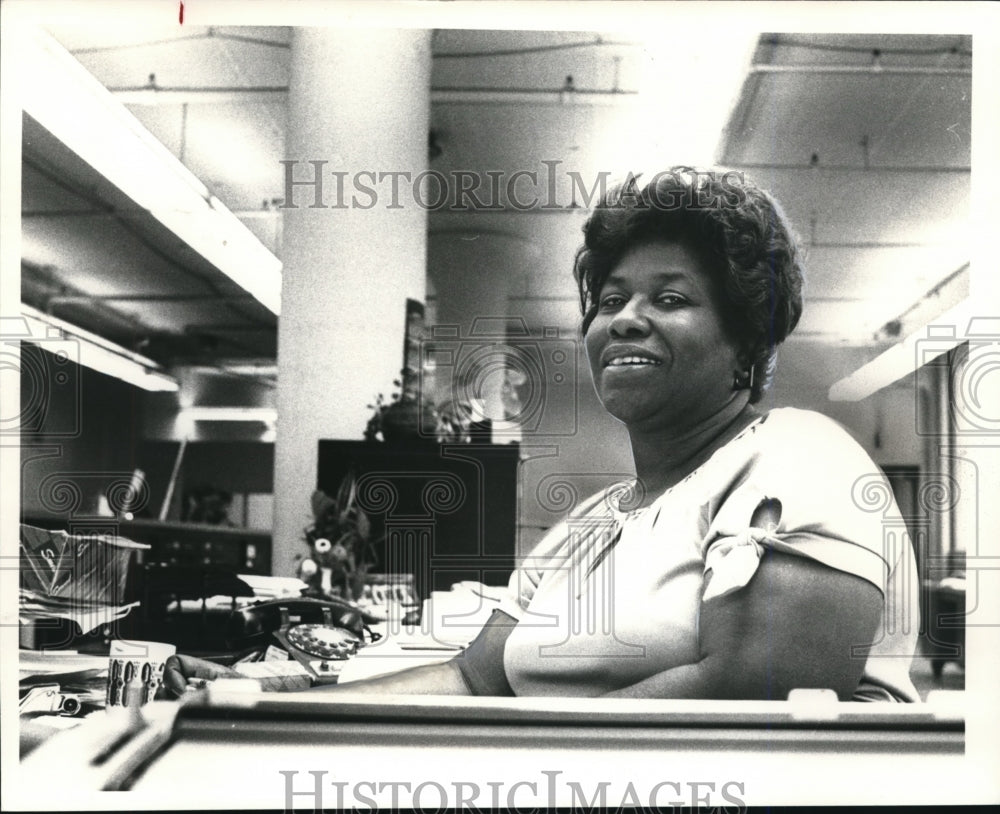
(731, 561)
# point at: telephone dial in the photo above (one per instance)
(316, 633)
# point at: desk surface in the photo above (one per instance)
(260, 747)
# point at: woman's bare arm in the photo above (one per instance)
(477, 671)
(443, 678)
(792, 626)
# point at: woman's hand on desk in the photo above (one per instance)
(185, 673)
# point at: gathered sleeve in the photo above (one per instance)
(820, 476)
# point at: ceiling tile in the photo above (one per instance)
(900, 274)
(870, 206)
(235, 57)
(907, 121)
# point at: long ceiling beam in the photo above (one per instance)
(872, 70)
(930, 328)
(149, 95)
(68, 102)
(805, 167)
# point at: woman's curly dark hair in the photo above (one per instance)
(737, 226)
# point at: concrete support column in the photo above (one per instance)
(479, 275)
(359, 107)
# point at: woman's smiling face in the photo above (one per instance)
(659, 354)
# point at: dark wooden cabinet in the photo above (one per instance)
(944, 628)
(445, 512)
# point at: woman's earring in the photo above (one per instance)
(743, 380)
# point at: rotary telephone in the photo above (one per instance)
(316, 633)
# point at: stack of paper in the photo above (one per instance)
(266, 587)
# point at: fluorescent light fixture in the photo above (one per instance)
(939, 336)
(224, 368)
(68, 341)
(62, 96)
(263, 370)
(267, 415)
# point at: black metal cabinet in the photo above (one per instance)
(446, 512)
(944, 636)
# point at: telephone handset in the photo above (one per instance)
(314, 632)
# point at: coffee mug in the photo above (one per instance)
(135, 671)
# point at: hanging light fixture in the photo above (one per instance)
(72, 343)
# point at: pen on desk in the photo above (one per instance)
(430, 647)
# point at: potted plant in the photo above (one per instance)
(342, 550)
(405, 416)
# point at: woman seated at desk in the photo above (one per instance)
(739, 564)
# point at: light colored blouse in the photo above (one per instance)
(592, 619)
